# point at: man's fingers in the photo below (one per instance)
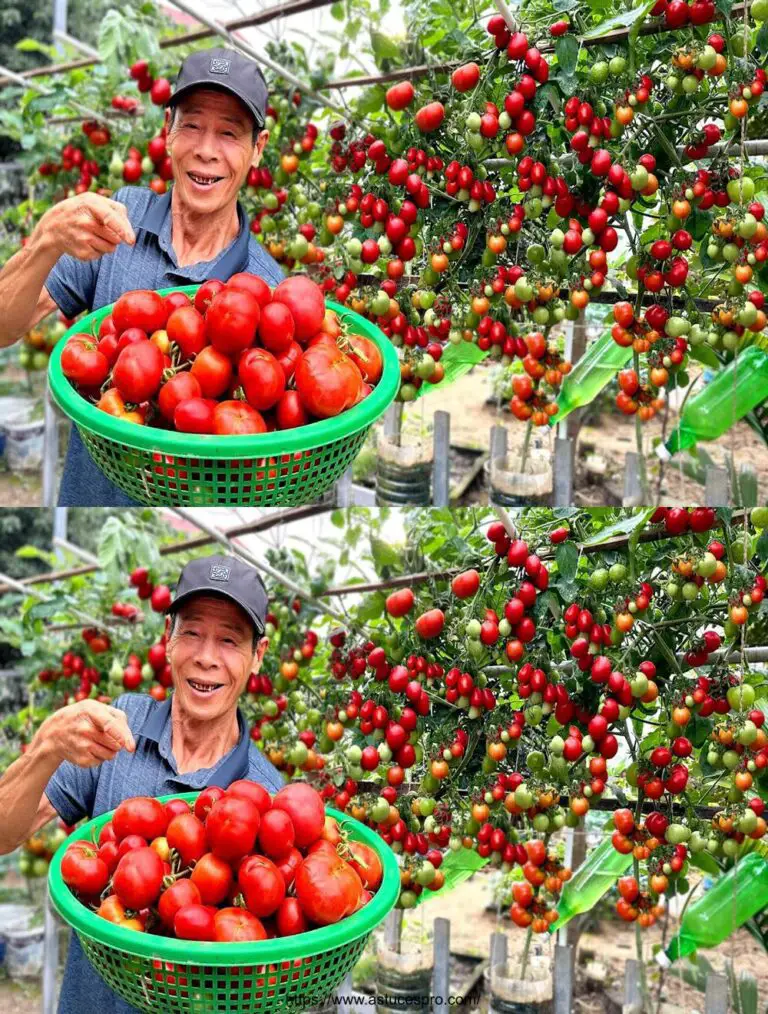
(113, 723)
(101, 246)
(100, 753)
(114, 217)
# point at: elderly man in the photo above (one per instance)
(87, 757)
(88, 250)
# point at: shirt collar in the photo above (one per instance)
(157, 220)
(232, 766)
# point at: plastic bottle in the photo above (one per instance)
(590, 374)
(735, 897)
(736, 390)
(596, 875)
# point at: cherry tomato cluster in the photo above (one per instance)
(238, 866)
(534, 899)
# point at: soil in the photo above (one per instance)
(16, 998)
(610, 437)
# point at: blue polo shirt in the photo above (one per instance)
(151, 771)
(151, 263)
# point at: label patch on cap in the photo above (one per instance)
(219, 65)
(219, 572)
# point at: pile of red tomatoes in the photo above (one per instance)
(240, 865)
(239, 359)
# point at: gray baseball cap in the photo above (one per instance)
(227, 576)
(226, 69)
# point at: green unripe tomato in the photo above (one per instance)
(617, 572)
(676, 834)
(741, 189)
(534, 715)
(587, 744)
(730, 760)
(639, 685)
(690, 84)
(742, 697)
(523, 796)
(690, 591)
(473, 122)
(598, 73)
(557, 236)
(748, 821)
(535, 760)
(598, 579)
(730, 847)
(759, 515)
(557, 743)
(541, 822)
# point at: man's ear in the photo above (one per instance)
(258, 655)
(258, 148)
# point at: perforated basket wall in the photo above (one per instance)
(286, 467)
(162, 974)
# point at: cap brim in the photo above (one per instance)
(205, 83)
(207, 590)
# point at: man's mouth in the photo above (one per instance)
(203, 179)
(204, 688)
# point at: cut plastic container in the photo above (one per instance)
(286, 467)
(163, 975)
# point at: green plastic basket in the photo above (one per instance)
(286, 467)
(163, 975)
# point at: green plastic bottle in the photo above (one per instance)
(736, 390)
(735, 897)
(590, 375)
(596, 875)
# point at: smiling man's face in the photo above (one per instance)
(210, 141)
(212, 655)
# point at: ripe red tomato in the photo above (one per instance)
(288, 360)
(290, 919)
(186, 834)
(262, 885)
(235, 924)
(138, 372)
(236, 418)
(179, 388)
(181, 893)
(366, 863)
(466, 77)
(400, 603)
(276, 834)
(213, 372)
(195, 922)
(305, 301)
(289, 412)
(328, 381)
(246, 282)
(142, 816)
(430, 624)
(231, 321)
(305, 808)
(288, 864)
(195, 415)
(187, 329)
(83, 870)
(327, 887)
(175, 299)
(262, 378)
(213, 878)
(83, 362)
(232, 826)
(400, 95)
(366, 356)
(244, 788)
(140, 308)
(138, 878)
(276, 328)
(206, 293)
(206, 799)
(430, 116)
(465, 585)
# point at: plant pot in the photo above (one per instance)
(24, 443)
(403, 981)
(509, 487)
(403, 473)
(531, 995)
(24, 953)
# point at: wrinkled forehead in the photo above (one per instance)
(216, 609)
(215, 102)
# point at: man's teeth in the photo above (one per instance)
(203, 180)
(204, 687)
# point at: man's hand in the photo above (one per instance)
(86, 226)
(86, 733)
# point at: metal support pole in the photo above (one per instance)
(563, 979)
(498, 950)
(498, 442)
(563, 477)
(255, 55)
(60, 535)
(24, 589)
(717, 490)
(50, 956)
(344, 496)
(218, 536)
(77, 551)
(716, 997)
(50, 449)
(393, 422)
(26, 83)
(442, 452)
(633, 994)
(59, 35)
(633, 489)
(393, 929)
(441, 971)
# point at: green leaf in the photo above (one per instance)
(371, 100)
(338, 518)
(704, 861)
(110, 34)
(567, 559)
(337, 11)
(623, 527)
(624, 20)
(35, 46)
(567, 52)
(384, 555)
(384, 48)
(704, 354)
(762, 546)
(35, 553)
(371, 608)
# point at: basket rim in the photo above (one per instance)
(185, 952)
(213, 446)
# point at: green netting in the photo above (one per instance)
(287, 467)
(456, 360)
(163, 974)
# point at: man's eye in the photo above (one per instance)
(228, 133)
(191, 126)
(191, 633)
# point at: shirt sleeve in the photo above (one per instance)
(72, 284)
(72, 791)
